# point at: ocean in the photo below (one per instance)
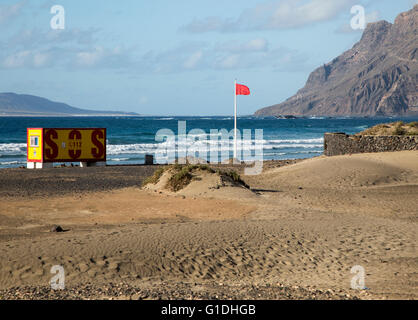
(130, 138)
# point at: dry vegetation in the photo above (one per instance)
(184, 174)
(155, 177)
(396, 128)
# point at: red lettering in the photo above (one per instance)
(74, 134)
(100, 150)
(52, 151)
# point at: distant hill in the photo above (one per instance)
(377, 77)
(12, 104)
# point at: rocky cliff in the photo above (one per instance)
(377, 77)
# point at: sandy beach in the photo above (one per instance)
(294, 234)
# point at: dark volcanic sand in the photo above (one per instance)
(60, 181)
(178, 291)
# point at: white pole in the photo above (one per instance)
(235, 119)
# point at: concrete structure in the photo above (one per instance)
(149, 159)
(341, 143)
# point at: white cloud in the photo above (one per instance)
(8, 12)
(284, 14)
(228, 62)
(373, 16)
(17, 60)
(81, 49)
(26, 58)
(37, 38)
(193, 60)
(105, 58)
(89, 58)
(186, 56)
(370, 17)
(73, 48)
(40, 59)
(254, 45)
(205, 25)
(253, 53)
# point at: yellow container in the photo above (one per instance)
(47, 145)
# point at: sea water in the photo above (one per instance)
(129, 139)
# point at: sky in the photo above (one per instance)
(180, 57)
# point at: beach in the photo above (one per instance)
(260, 150)
(294, 234)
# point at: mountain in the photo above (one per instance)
(377, 77)
(12, 104)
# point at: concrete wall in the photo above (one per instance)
(341, 143)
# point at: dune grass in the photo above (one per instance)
(183, 175)
(154, 178)
(396, 128)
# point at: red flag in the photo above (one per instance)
(242, 90)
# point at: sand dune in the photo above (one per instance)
(383, 185)
(357, 170)
(204, 184)
(304, 225)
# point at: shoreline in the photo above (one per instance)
(270, 163)
(69, 179)
(313, 117)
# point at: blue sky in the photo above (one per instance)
(178, 57)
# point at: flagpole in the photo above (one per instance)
(235, 119)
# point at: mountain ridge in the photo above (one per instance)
(378, 76)
(13, 104)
